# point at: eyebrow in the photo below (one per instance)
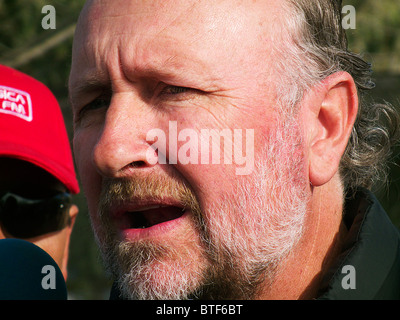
(90, 83)
(99, 80)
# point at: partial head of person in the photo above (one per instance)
(37, 175)
(218, 143)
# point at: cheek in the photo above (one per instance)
(213, 182)
(211, 185)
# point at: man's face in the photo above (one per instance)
(177, 228)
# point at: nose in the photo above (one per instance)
(122, 145)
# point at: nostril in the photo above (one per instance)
(137, 164)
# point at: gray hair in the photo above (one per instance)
(318, 48)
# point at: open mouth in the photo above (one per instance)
(151, 216)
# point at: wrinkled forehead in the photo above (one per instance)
(100, 15)
(186, 19)
(215, 34)
(179, 13)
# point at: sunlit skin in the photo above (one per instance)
(133, 55)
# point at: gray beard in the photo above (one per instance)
(237, 254)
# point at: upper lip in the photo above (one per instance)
(146, 213)
(133, 205)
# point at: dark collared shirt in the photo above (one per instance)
(369, 265)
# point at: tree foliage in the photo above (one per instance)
(377, 32)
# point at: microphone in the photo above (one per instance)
(27, 272)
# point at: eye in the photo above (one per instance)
(91, 111)
(174, 90)
(94, 105)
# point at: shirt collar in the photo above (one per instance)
(371, 250)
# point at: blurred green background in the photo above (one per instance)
(46, 55)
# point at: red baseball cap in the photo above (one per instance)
(32, 126)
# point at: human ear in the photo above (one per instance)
(331, 109)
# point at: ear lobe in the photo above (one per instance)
(333, 118)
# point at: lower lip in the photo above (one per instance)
(154, 231)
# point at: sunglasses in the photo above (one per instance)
(27, 218)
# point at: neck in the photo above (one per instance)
(300, 275)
